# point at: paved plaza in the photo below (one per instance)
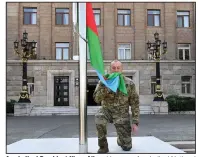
(164, 127)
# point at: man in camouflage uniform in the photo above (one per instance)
(115, 109)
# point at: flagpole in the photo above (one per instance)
(83, 143)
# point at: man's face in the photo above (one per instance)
(116, 67)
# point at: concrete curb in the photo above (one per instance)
(9, 114)
(183, 112)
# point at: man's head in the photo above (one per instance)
(116, 66)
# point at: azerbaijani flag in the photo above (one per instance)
(113, 81)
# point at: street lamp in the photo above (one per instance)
(26, 50)
(154, 51)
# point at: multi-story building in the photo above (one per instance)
(124, 29)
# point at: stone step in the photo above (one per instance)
(74, 112)
(65, 110)
(89, 110)
(53, 114)
(65, 114)
(74, 109)
(70, 111)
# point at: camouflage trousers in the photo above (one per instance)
(121, 122)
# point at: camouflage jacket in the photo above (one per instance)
(119, 102)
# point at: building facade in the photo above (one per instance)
(124, 29)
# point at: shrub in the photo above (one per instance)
(180, 103)
(10, 106)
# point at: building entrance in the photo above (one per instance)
(91, 85)
(61, 90)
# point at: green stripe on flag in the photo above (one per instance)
(95, 51)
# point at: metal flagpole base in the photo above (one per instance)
(83, 148)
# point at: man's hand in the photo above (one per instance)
(134, 128)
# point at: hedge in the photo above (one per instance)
(180, 103)
(10, 106)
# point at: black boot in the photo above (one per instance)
(103, 146)
(125, 148)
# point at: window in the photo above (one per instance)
(29, 16)
(153, 84)
(30, 84)
(184, 51)
(153, 17)
(124, 17)
(186, 84)
(183, 19)
(62, 16)
(62, 51)
(124, 51)
(97, 16)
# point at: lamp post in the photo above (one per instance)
(154, 51)
(25, 51)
